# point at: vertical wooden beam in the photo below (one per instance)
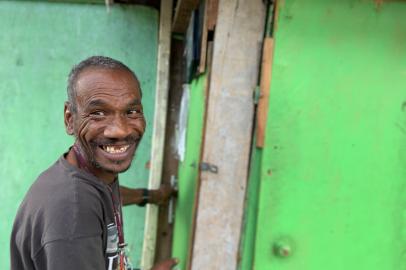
(209, 22)
(265, 84)
(203, 48)
(183, 12)
(158, 133)
(171, 164)
(227, 142)
(212, 10)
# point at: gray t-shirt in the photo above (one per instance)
(66, 221)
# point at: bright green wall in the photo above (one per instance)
(188, 173)
(334, 163)
(39, 44)
(247, 245)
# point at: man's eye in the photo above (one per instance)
(98, 113)
(134, 112)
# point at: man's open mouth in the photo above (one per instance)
(115, 149)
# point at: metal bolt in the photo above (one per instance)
(282, 248)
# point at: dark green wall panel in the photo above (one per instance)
(40, 42)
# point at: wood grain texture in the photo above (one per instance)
(183, 12)
(234, 75)
(212, 10)
(265, 84)
(171, 163)
(158, 135)
(203, 47)
(209, 22)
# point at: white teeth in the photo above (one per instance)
(115, 149)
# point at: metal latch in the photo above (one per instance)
(204, 166)
(174, 184)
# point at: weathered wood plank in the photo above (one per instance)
(234, 75)
(183, 12)
(158, 133)
(170, 165)
(212, 9)
(203, 47)
(265, 84)
(209, 21)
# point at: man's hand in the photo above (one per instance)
(166, 265)
(163, 194)
(156, 196)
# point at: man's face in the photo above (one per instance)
(109, 122)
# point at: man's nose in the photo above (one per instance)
(117, 129)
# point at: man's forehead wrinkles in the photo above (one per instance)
(106, 93)
(95, 103)
(105, 90)
(104, 101)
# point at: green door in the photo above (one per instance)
(333, 172)
(39, 42)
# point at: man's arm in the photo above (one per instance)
(166, 265)
(155, 196)
(67, 254)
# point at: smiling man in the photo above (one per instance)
(71, 216)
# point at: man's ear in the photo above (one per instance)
(68, 118)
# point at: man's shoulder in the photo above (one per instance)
(62, 178)
(58, 205)
(60, 192)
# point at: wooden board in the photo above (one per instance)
(265, 84)
(227, 139)
(183, 12)
(209, 21)
(212, 10)
(158, 136)
(170, 166)
(203, 47)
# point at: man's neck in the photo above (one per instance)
(107, 178)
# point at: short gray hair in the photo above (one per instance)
(93, 61)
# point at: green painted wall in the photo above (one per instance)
(247, 245)
(188, 173)
(39, 44)
(333, 170)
